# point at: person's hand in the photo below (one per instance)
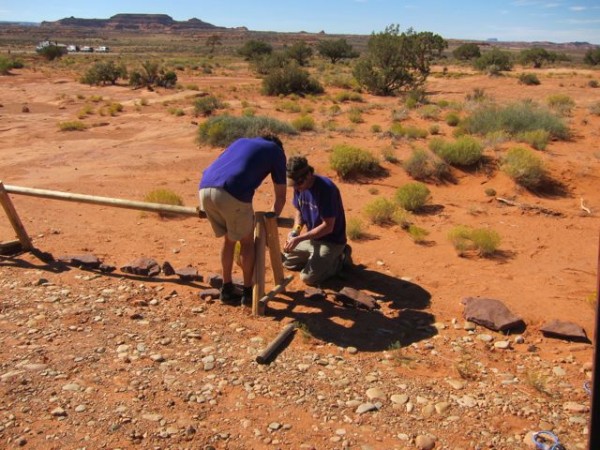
(291, 243)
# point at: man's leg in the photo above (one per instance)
(247, 255)
(324, 263)
(297, 258)
(227, 259)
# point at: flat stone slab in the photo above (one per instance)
(564, 330)
(189, 273)
(85, 260)
(356, 298)
(142, 266)
(312, 293)
(490, 313)
(210, 294)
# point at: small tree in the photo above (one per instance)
(253, 49)
(299, 52)
(397, 61)
(290, 79)
(335, 50)
(536, 57)
(494, 60)
(104, 72)
(52, 52)
(212, 42)
(592, 56)
(467, 51)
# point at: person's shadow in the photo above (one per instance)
(326, 319)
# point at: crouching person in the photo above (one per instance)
(320, 252)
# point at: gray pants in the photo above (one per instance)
(317, 260)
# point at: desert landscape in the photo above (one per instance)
(114, 360)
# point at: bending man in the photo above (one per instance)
(226, 192)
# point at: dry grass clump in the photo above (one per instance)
(524, 167)
(73, 125)
(482, 240)
(350, 162)
(412, 196)
(164, 197)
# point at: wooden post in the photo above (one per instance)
(260, 241)
(274, 247)
(14, 219)
(264, 356)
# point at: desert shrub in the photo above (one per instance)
(592, 56)
(417, 233)
(389, 154)
(152, 74)
(431, 112)
(355, 115)
(375, 128)
(177, 112)
(538, 139)
(381, 211)
(494, 139)
(464, 151)
(561, 103)
(397, 130)
(205, 106)
(412, 196)
(253, 49)
(300, 52)
(514, 118)
(104, 72)
(291, 106)
(524, 167)
(593, 83)
(74, 125)
(335, 50)
(490, 192)
(220, 131)
(6, 64)
(529, 79)
(290, 79)
(112, 109)
(354, 229)
(422, 165)
(164, 197)
(347, 96)
(482, 240)
(434, 129)
(85, 111)
(349, 162)
(452, 119)
(304, 123)
(595, 109)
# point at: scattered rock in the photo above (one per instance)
(564, 330)
(490, 313)
(356, 298)
(142, 266)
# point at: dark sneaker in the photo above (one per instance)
(247, 297)
(347, 257)
(229, 294)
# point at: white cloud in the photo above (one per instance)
(577, 8)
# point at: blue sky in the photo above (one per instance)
(508, 20)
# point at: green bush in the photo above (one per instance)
(397, 130)
(538, 139)
(514, 118)
(524, 167)
(304, 123)
(412, 196)
(467, 51)
(431, 112)
(104, 72)
(561, 103)
(52, 52)
(422, 165)
(381, 211)
(592, 56)
(355, 115)
(417, 233)
(354, 229)
(389, 154)
(6, 64)
(350, 162)
(452, 119)
(290, 79)
(482, 240)
(205, 106)
(493, 61)
(347, 96)
(220, 131)
(465, 151)
(164, 197)
(74, 125)
(529, 79)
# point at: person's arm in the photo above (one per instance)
(280, 196)
(323, 229)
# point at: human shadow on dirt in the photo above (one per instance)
(404, 323)
(46, 262)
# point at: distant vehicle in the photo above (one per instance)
(86, 49)
(102, 49)
(72, 48)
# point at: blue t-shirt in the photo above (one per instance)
(243, 166)
(323, 199)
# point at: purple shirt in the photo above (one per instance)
(242, 167)
(323, 199)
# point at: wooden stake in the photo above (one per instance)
(14, 219)
(260, 241)
(274, 247)
(264, 356)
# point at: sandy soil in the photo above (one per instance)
(546, 269)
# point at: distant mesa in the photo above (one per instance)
(134, 22)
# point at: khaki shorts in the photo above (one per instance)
(227, 215)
